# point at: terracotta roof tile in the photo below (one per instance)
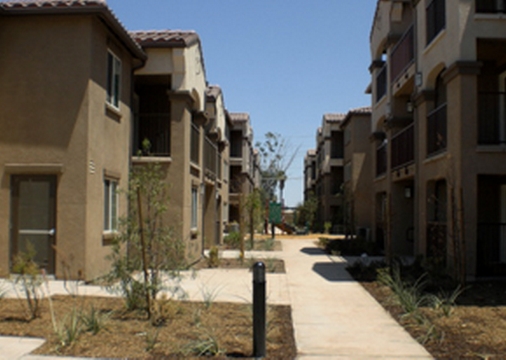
(165, 38)
(51, 3)
(337, 117)
(239, 117)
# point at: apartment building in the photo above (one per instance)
(184, 120)
(309, 174)
(357, 193)
(329, 171)
(438, 120)
(244, 165)
(66, 72)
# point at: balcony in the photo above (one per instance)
(436, 131)
(210, 159)
(492, 118)
(381, 83)
(403, 148)
(156, 129)
(381, 159)
(403, 55)
(490, 6)
(195, 144)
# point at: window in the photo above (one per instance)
(436, 120)
(110, 205)
(113, 79)
(194, 208)
(436, 18)
(490, 6)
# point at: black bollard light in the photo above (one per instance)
(259, 310)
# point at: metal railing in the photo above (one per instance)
(156, 129)
(381, 83)
(490, 6)
(436, 130)
(492, 118)
(491, 250)
(403, 54)
(403, 147)
(210, 158)
(436, 242)
(195, 144)
(381, 159)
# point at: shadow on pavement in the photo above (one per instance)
(332, 271)
(312, 251)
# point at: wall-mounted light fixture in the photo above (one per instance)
(408, 192)
(409, 107)
(418, 79)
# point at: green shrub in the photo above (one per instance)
(213, 261)
(233, 240)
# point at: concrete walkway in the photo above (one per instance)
(333, 316)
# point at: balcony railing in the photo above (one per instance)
(156, 129)
(403, 148)
(381, 159)
(492, 118)
(195, 144)
(381, 83)
(403, 54)
(436, 242)
(436, 130)
(491, 250)
(490, 6)
(210, 158)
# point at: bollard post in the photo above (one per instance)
(259, 337)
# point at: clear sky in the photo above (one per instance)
(285, 62)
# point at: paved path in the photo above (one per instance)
(333, 316)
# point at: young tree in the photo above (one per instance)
(150, 247)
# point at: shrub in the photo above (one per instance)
(213, 261)
(351, 247)
(233, 240)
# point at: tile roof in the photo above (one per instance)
(236, 117)
(165, 38)
(334, 117)
(96, 7)
(366, 110)
(213, 91)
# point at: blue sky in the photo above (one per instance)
(285, 62)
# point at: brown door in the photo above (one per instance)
(33, 209)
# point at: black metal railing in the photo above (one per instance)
(210, 158)
(492, 118)
(153, 131)
(381, 159)
(436, 242)
(195, 144)
(381, 83)
(491, 249)
(436, 18)
(403, 54)
(403, 147)
(490, 6)
(436, 130)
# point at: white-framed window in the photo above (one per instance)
(110, 205)
(113, 79)
(195, 193)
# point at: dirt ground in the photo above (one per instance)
(475, 329)
(182, 329)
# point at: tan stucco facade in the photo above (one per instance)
(55, 122)
(446, 96)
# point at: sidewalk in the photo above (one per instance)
(333, 316)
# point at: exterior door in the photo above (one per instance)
(33, 209)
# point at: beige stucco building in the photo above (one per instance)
(438, 118)
(324, 172)
(65, 78)
(357, 192)
(244, 169)
(80, 97)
